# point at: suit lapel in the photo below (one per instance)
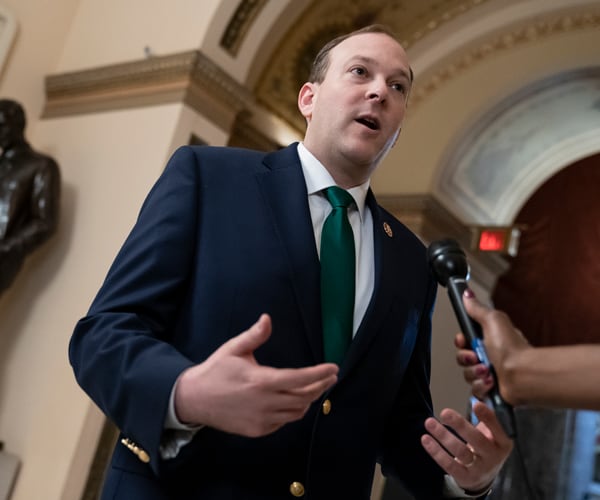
(284, 190)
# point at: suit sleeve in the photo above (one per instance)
(122, 352)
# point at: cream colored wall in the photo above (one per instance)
(114, 31)
(108, 162)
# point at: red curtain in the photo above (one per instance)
(552, 289)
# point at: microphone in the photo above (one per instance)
(449, 265)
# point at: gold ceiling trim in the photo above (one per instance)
(436, 18)
(522, 35)
(188, 77)
(240, 23)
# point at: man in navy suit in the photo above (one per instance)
(205, 345)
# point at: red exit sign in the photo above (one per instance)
(499, 239)
(492, 240)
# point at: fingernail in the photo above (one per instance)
(469, 294)
(467, 360)
(481, 370)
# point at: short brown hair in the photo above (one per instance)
(321, 61)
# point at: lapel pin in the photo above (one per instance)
(388, 229)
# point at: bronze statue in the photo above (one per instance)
(29, 193)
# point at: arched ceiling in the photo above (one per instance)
(521, 141)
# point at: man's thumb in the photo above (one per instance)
(251, 339)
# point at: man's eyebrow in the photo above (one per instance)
(401, 72)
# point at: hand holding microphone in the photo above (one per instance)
(449, 265)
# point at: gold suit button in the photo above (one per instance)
(326, 407)
(297, 489)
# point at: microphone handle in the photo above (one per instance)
(472, 331)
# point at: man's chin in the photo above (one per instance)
(368, 155)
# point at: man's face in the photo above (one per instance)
(354, 115)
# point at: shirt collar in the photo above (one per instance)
(318, 178)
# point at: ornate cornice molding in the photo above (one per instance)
(188, 77)
(540, 29)
(435, 19)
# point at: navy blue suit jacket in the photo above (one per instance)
(225, 235)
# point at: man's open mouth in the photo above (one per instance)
(369, 122)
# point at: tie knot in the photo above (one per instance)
(338, 197)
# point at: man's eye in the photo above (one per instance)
(359, 71)
(399, 87)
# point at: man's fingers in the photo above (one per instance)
(478, 439)
(450, 452)
(448, 439)
(291, 415)
(487, 416)
(439, 454)
(314, 390)
(301, 379)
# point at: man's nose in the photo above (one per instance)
(377, 91)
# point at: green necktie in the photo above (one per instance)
(337, 276)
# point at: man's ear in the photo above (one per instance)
(306, 99)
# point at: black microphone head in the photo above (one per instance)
(447, 260)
